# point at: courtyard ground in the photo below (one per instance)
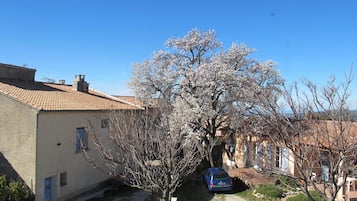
(193, 190)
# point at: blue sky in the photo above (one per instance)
(103, 38)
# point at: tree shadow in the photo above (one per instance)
(194, 190)
(7, 169)
(238, 186)
(36, 86)
(11, 175)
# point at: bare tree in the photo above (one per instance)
(318, 130)
(149, 150)
(209, 86)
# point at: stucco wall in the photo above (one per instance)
(18, 137)
(56, 153)
(245, 154)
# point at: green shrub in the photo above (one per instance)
(270, 191)
(285, 181)
(3, 188)
(17, 191)
(303, 197)
(13, 191)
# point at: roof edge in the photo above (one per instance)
(18, 67)
(9, 95)
(117, 99)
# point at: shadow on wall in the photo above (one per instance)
(7, 169)
(11, 174)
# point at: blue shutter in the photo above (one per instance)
(269, 156)
(79, 138)
(284, 159)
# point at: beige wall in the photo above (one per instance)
(250, 159)
(56, 153)
(18, 137)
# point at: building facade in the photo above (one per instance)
(45, 126)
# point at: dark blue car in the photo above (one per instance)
(217, 179)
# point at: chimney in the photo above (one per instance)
(62, 82)
(79, 84)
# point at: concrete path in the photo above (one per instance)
(226, 197)
(233, 198)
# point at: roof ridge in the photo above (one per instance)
(58, 97)
(117, 99)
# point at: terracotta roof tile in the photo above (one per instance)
(49, 96)
(131, 99)
(330, 133)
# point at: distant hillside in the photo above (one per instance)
(327, 115)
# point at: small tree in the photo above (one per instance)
(13, 190)
(318, 130)
(151, 151)
(3, 188)
(17, 191)
(209, 86)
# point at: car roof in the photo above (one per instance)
(216, 170)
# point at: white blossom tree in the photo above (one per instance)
(207, 86)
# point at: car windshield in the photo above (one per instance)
(220, 175)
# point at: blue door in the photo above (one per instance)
(48, 189)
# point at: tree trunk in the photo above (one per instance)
(210, 157)
(166, 195)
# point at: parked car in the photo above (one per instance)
(217, 179)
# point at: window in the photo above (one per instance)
(277, 157)
(282, 158)
(81, 139)
(63, 179)
(104, 123)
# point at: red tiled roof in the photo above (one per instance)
(153, 102)
(131, 99)
(58, 97)
(331, 134)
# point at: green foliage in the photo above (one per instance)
(12, 191)
(3, 188)
(270, 190)
(288, 182)
(17, 191)
(248, 195)
(302, 197)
